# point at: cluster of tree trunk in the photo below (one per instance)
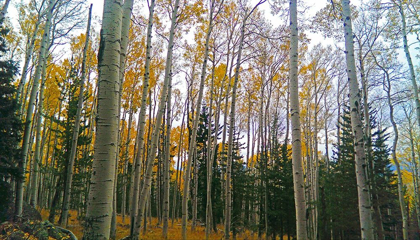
(242, 145)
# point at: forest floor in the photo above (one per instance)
(154, 231)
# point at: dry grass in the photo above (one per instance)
(154, 230)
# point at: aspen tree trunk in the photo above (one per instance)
(141, 126)
(36, 160)
(25, 69)
(125, 172)
(298, 182)
(408, 57)
(99, 207)
(413, 159)
(366, 223)
(316, 168)
(327, 160)
(394, 155)
(30, 111)
(167, 163)
(228, 191)
(192, 144)
(195, 191)
(125, 27)
(210, 154)
(4, 10)
(156, 129)
(72, 156)
(175, 193)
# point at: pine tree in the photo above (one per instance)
(65, 134)
(10, 128)
(280, 209)
(338, 193)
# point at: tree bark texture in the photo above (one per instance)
(99, 207)
(366, 224)
(298, 182)
(31, 107)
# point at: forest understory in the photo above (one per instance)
(209, 119)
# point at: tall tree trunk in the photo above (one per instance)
(414, 161)
(141, 127)
(37, 160)
(408, 57)
(72, 156)
(125, 28)
(25, 69)
(228, 190)
(387, 87)
(125, 170)
(192, 143)
(156, 129)
(178, 171)
(366, 225)
(30, 111)
(298, 182)
(210, 152)
(99, 208)
(167, 163)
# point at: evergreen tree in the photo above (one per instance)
(239, 182)
(201, 158)
(62, 150)
(10, 128)
(280, 209)
(338, 192)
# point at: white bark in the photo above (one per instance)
(298, 182)
(167, 163)
(125, 28)
(387, 87)
(141, 126)
(31, 107)
(36, 161)
(99, 208)
(156, 129)
(366, 224)
(28, 55)
(408, 57)
(192, 145)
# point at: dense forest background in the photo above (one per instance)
(213, 119)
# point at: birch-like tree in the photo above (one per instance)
(298, 182)
(99, 208)
(366, 223)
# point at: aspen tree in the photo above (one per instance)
(31, 107)
(228, 189)
(387, 87)
(413, 160)
(192, 144)
(167, 163)
(366, 224)
(25, 69)
(399, 4)
(99, 207)
(36, 161)
(125, 28)
(156, 129)
(178, 171)
(298, 183)
(210, 153)
(73, 150)
(141, 125)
